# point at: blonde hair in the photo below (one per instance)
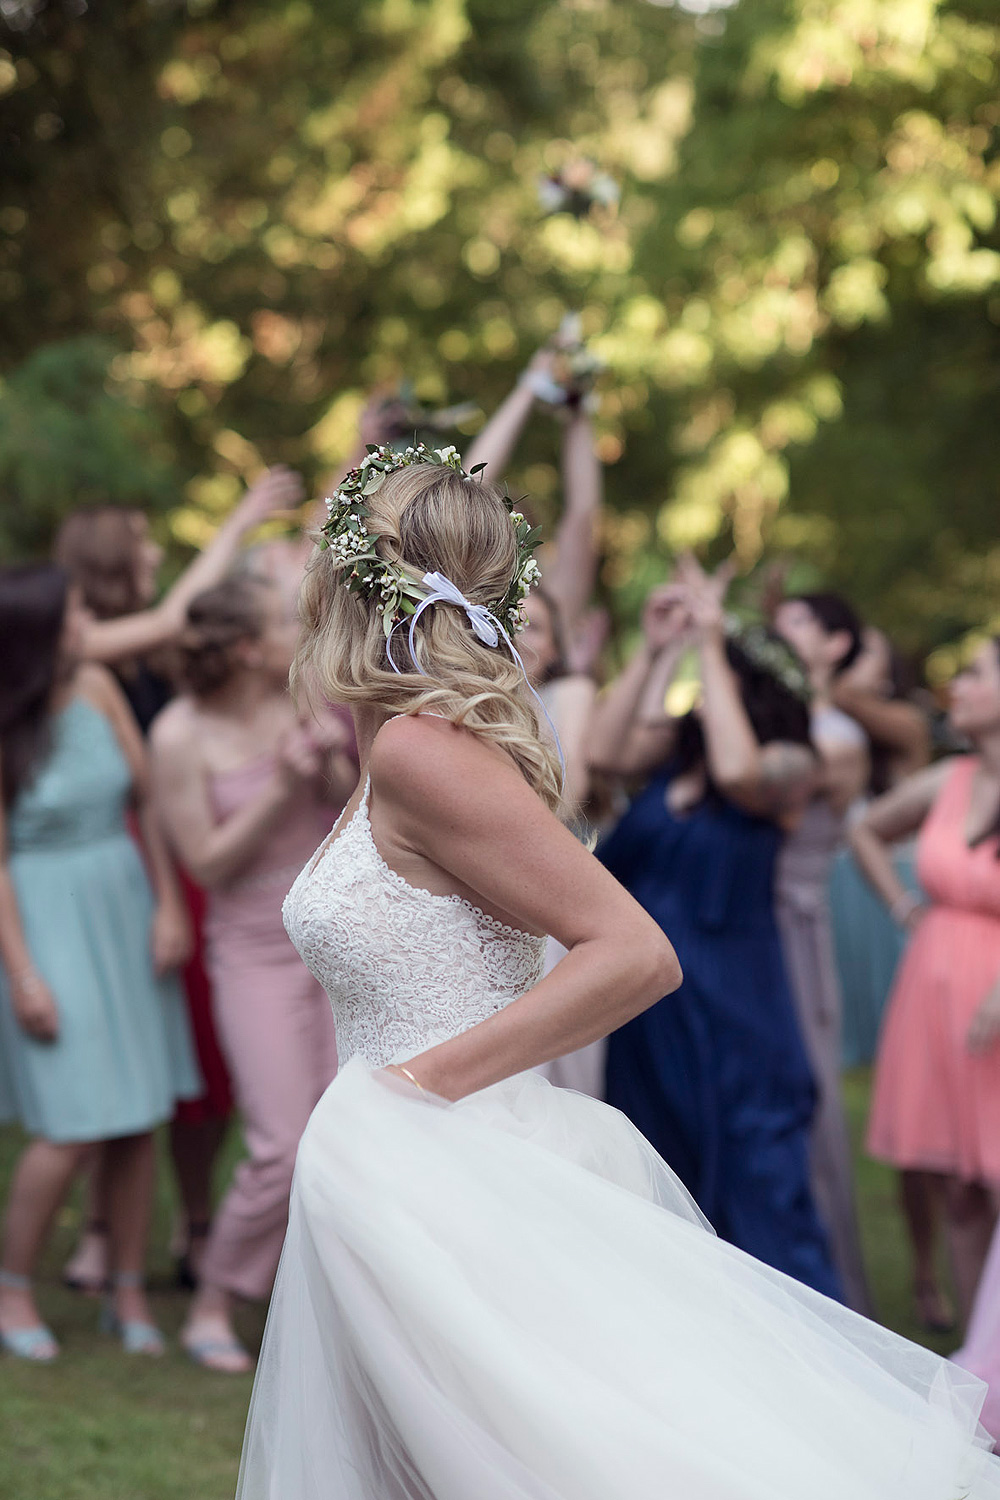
(427, 518)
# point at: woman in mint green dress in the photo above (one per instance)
(94, 1043)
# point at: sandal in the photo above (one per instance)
(137, 1335)
(213, 1346)
(36, 1344)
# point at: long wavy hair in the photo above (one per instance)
(427, 518)
(32, 610)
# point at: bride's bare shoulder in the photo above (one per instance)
(430, 763)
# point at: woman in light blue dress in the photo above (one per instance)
(94, 1043)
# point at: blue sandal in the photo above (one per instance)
(204, 1350)
(137, 1336)
(38, 1343)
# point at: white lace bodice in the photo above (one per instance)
(404, 968)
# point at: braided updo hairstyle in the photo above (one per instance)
(428, 518)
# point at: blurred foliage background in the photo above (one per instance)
(225, 221)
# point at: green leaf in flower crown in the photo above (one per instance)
(374, 483)
(407, 606)
(476, 469)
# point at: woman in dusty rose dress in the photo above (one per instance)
(936, 1102)
(246, 795)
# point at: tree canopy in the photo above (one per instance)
(225, 222)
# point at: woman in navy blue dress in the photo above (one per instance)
(715, 1076)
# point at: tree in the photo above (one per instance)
(268, 209)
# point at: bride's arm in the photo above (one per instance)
(449, 799)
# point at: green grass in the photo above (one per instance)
(99, 1426)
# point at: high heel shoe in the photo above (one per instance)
(137, 1336)
(37, 1343)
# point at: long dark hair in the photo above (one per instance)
(774, 711)
(834, 615)
(32, 610)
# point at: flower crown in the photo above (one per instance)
(770, 654)
(395, 590)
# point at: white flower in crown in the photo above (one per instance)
(394, 590)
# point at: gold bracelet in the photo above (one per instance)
(407, 1074)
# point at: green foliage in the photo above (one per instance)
(272, 208)
(67, 437)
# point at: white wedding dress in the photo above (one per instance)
(513, 1298)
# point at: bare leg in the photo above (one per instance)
(922, 1200)
(87, 1268)
(210, 1325)
(194, 1148)
(971, 1218)
(40, 1183)
(131, 1170)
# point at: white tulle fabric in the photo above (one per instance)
(513, 1298)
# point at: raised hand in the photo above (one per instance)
(666, 616)
(705, 593)
(278, 489)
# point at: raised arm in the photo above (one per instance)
(132, 635)
(571, 575)
(464, 807)
(630, 732)
(770, 780)
(893, 723)
(498, 439)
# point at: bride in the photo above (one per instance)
(492, 1289)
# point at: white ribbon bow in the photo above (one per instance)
(486, 628)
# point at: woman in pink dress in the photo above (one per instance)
(936, 1102)
(246, 794)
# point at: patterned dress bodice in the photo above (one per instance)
(404, 968)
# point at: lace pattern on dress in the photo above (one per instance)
(404, 968)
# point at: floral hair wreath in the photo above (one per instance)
(396, 591)
(770, 654)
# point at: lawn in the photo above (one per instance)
(98, 1426)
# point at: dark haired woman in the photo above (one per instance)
(825, 633)
(936, 1100)
(88, 1026)
(246, 794)
(715, 1076)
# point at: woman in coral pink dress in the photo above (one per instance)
(936, 1103)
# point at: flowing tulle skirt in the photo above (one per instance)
(513, 1297)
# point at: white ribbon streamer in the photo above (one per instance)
(486, 628)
